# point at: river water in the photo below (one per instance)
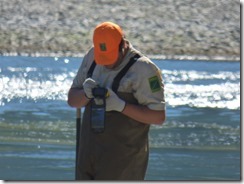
(200, 139)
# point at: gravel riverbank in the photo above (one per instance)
(208, 29)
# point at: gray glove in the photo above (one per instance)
(88, 85)
(114, 103)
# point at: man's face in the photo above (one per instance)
(117, 62)
(111, 66)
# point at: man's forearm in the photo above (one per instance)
(77, 98)
(144, 114)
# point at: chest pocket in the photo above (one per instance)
(120, 75)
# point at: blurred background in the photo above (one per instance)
(156, 27)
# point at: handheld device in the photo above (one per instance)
(98, 109)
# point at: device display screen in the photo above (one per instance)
(98, 108)
(97, 118)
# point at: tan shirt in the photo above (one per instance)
(143, 79)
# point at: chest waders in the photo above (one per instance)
(121, 151)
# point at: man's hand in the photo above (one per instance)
(114, 103)
(88, 85)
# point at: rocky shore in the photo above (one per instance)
(207, 29)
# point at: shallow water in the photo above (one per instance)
(200, 139)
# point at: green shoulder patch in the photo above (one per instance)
(154, 84)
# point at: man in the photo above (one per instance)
(136, 100)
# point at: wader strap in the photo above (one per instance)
(122, 73)
(91, 69)
(119, 76)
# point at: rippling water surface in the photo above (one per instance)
(200, 139)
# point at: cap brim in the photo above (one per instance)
(106, 58)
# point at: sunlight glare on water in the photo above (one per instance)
(181, 87)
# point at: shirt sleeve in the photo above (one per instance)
(82, 72)
(149, 87)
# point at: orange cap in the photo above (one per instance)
(106, 39)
